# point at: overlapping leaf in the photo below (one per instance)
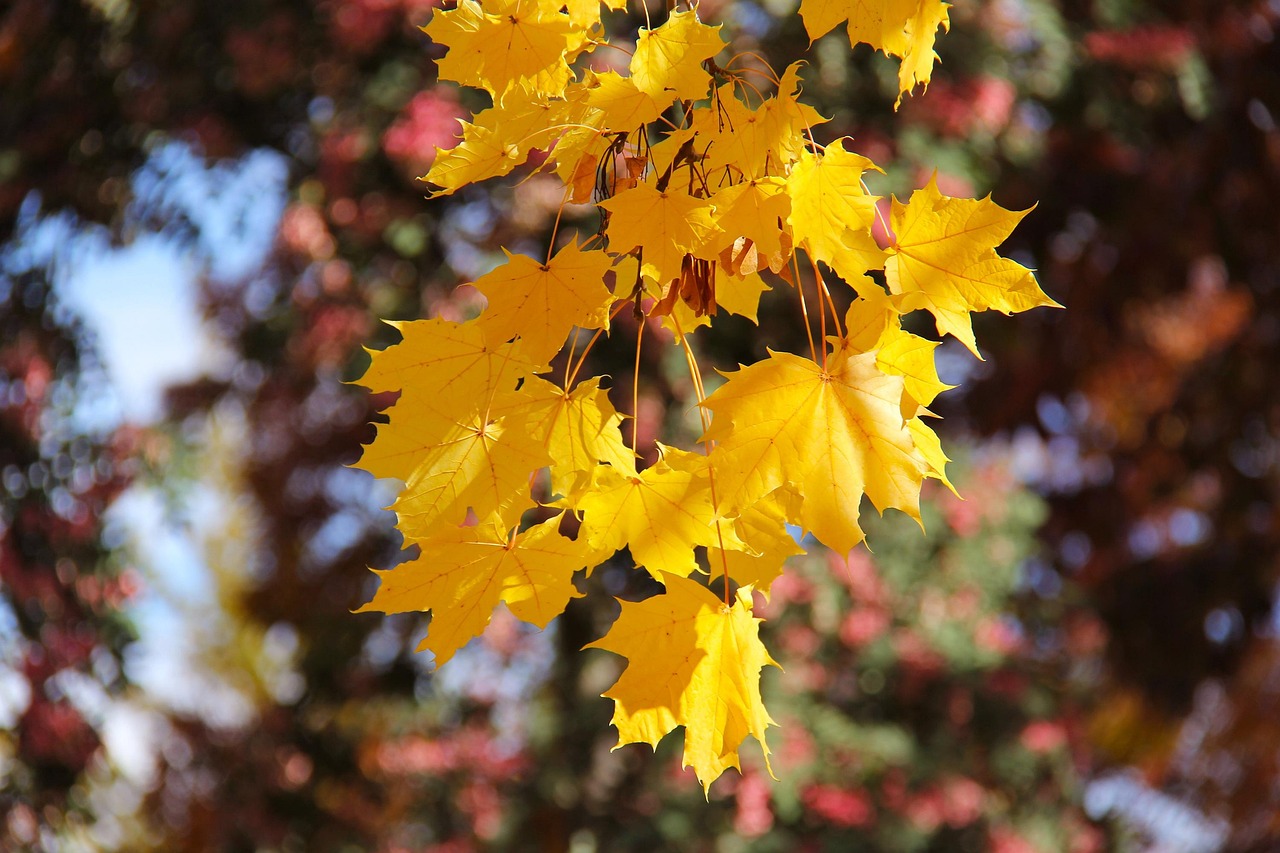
(906, 29)
(667, 224)
(831, 214)
(464, 572)
(943, 259)
(835, 433)
(692, 662)
(578, 429)
(661, 514)
(444, 361)
(539, 303)
(450, 464)
(495, 142)
(514, 47)
(873, 323)
(763, 542)
(668, 59)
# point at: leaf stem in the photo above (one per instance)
(568, 382)
(822, 314)
(804, 308)
(823, 290)
(888, 233)
(555, 228)
(568, 362)
(618, 47)
(766, 72)
(739, 80)
(695, 373)
(635, 390)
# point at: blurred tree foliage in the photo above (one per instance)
(920, 717)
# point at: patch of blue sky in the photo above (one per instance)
(137, 296)
(139, 303)
(231, 209)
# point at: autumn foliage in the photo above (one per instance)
(711, 186)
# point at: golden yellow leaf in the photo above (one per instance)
(445, 440)
(754, 209)
(661, 514)
(739, 294)
(943, 260)
(703, 190)
(464, 572)
(926, 441)
(763, 543)
(914, 43)
(665, 224)
(586, 13)
(540, 303)
(495, 142)
(447, 364)
(754, 143)
(579, 430)
(450, 463)
(692, 662)
(831, 214)
(583, 140)
(678, 148)
(873, 323)
(735, 136)
(835, 434)
(906, 29)
(822, 16)
(623, 106)
(667, 63)
(787, 121)
(519, 47)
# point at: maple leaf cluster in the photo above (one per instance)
(704, 184)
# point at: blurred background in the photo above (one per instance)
(205, 207)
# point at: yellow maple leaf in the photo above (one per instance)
(906, 29)
(831, 214)
(835, 434)
(739, 294)
(734, 136)
(765, 543)
(586, 13)
(661, 514)
(873, 323)
(677, 148)
(943, 260)
(583, 140)
(918, 36)
(481, 153)
(667, 63)
(579, 430)
(452, 462)
(666, 224)
(692, 662)
(448, 365)
(540, 302)
(464, 572)
(623, 106)
(445, 439)
(495, 142)
(787, 121)
(930, 449)
(694, 209)
(755, 210)
(822, 16)
(755, 142)
(520, 47)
